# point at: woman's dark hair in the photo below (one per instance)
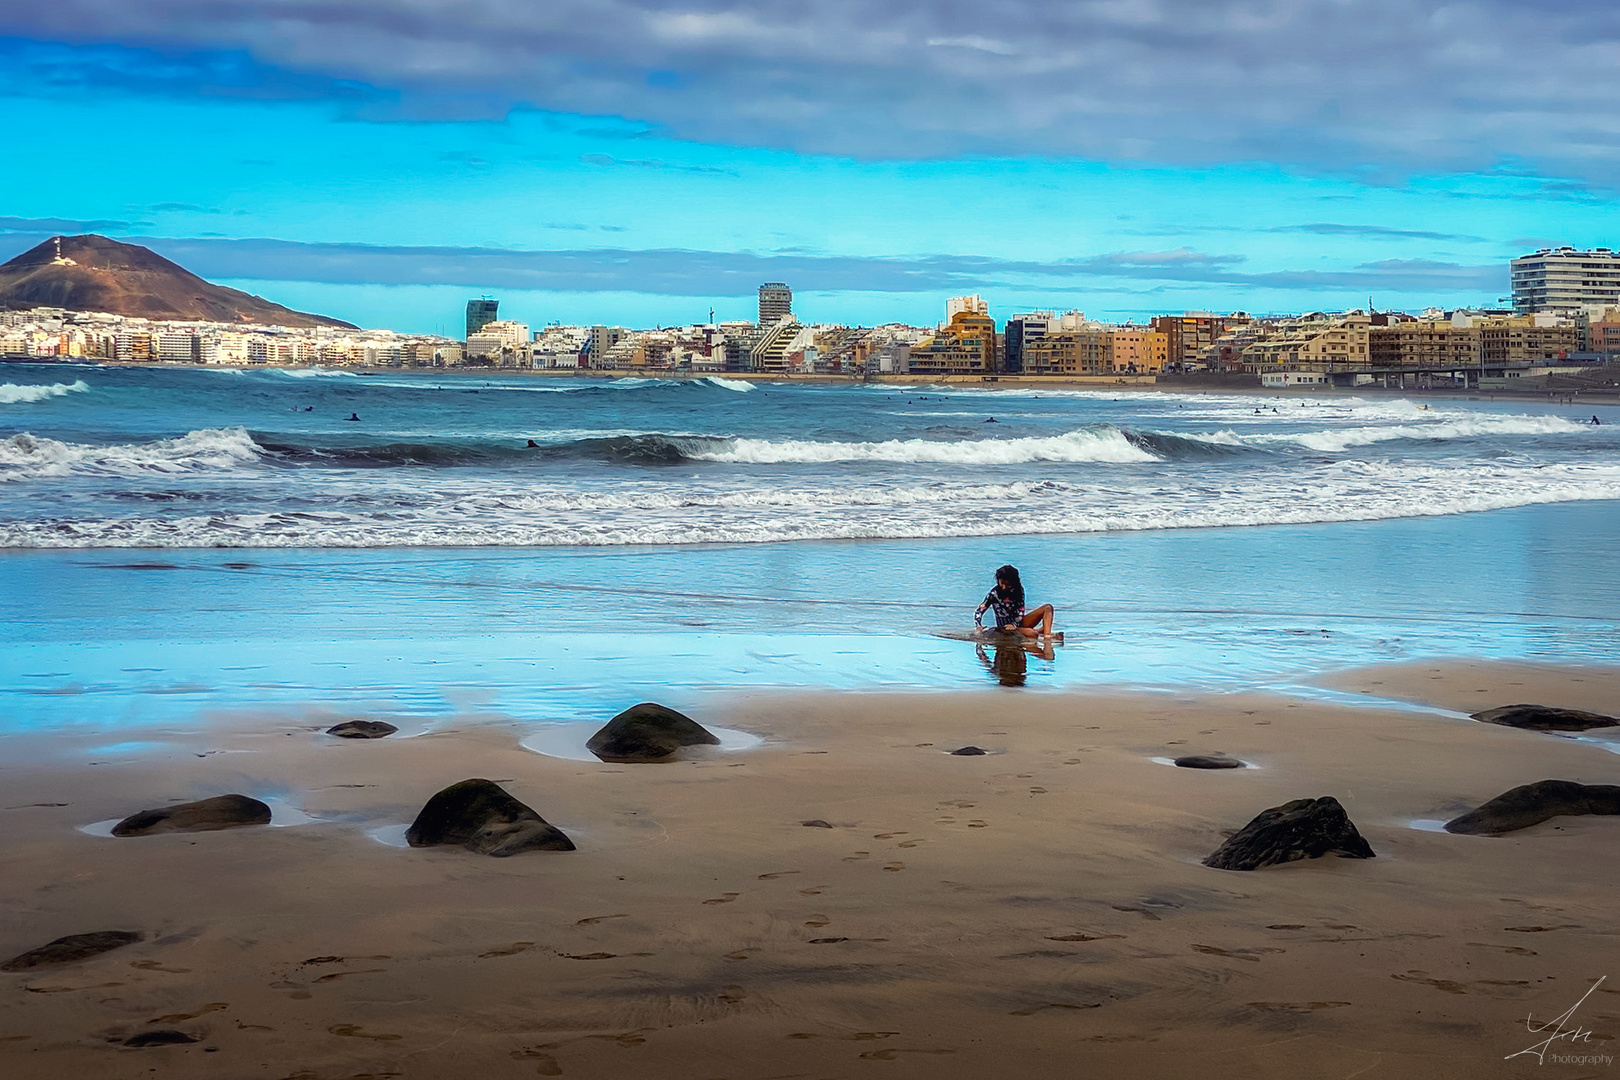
(1008, 582)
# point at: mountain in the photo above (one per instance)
(93, 273)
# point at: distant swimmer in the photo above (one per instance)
(533, 445)
(354, 416)
(992, 420)
(1595, 420)
(309, 408)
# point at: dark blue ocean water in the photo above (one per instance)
(183, 543)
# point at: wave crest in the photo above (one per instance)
(15, 394)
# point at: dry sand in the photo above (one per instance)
(1039, 909)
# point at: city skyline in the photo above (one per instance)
(641, 163)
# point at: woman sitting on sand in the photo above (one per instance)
(1007, 598)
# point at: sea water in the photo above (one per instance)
(181, 541)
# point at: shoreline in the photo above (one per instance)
(1038, 907)
(1094, 383)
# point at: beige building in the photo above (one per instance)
(1313, 342)
(1088, 351)
(1138, 350)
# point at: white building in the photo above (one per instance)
(1564, 279)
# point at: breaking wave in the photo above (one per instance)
(14, 394)
(26, 456)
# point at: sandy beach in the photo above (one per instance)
(1041, 907)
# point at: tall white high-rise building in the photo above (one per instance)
(1564, 279)
(775, 302)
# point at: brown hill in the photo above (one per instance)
(93, 273)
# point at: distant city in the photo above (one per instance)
(1565, 317)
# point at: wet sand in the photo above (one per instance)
(1040, 908)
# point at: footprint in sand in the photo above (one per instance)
(1037, 791)
(887, 835)
(1084, 937)
(336, 975)
(353, 1031)
(911, 843)
(1541, 929)
(1252, 955)
(894, 866)
(1073, 761)
(1450, 986)
(945, 821)
(890, 1055)
(868, 1036)
(1033, 1009)
(512, 950)
(175, 1018)
(1513, 949)
(594, 919)
(1144, 912)
(858, 856)
(153, 965)
(732, 995)
(592, 956)
(1296, 1006)
(777, 874)
(817, 921)
(735, 956)
(814, 890)
(827, 940)
(977, 824)
(723, 898)
(1286, 926)
(545, 1064)
(629, 1038)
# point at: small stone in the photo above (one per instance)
(968, 751)
(1201, 761)
(205, 815)
(482, 817)
(66, 950)
(1531, 804)
(816, 823)
(1544, 718)
(1302, 829)
(648, 732)
(362, 729)
(161, 1037)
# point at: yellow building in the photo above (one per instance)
(964, 346)
(1138, 350)
(1313, 343)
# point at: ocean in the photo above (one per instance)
(178, 542)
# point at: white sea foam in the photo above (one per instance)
(739, 385)
(315, 373)
(25, 456)
(14, 394)
(1343, 491)
(1443, 428)
(1102, 445)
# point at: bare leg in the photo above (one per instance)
(1037, 623)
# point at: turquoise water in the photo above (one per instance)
(183, 545)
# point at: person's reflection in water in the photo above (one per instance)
(1010, 664)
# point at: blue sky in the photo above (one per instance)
(635, 162)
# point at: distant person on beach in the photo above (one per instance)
(1006, 598)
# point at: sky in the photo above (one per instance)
(643, 163)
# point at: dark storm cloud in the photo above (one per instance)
(1377, 88)
(680, 272)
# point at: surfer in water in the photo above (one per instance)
(1006, 599)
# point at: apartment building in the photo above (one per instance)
(1565, 280)
(966, 345)
(1313, 341)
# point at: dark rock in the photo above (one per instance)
(362, 729)
(1302, 829)
(480, 816)
(161, 1037)
(816, 823)
(1544, 718)
(205, 815)
(1201, 761)
(648, 732)
(65, 950)
(1531, 804)
(967, 751)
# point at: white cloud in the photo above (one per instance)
(1369, 87)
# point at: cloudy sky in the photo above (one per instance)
(642, 162)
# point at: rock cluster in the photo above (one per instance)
(1544, 718)
(1531, 804)
(1302, 829)
(205, 815)
(648, 732)
(480, 816)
